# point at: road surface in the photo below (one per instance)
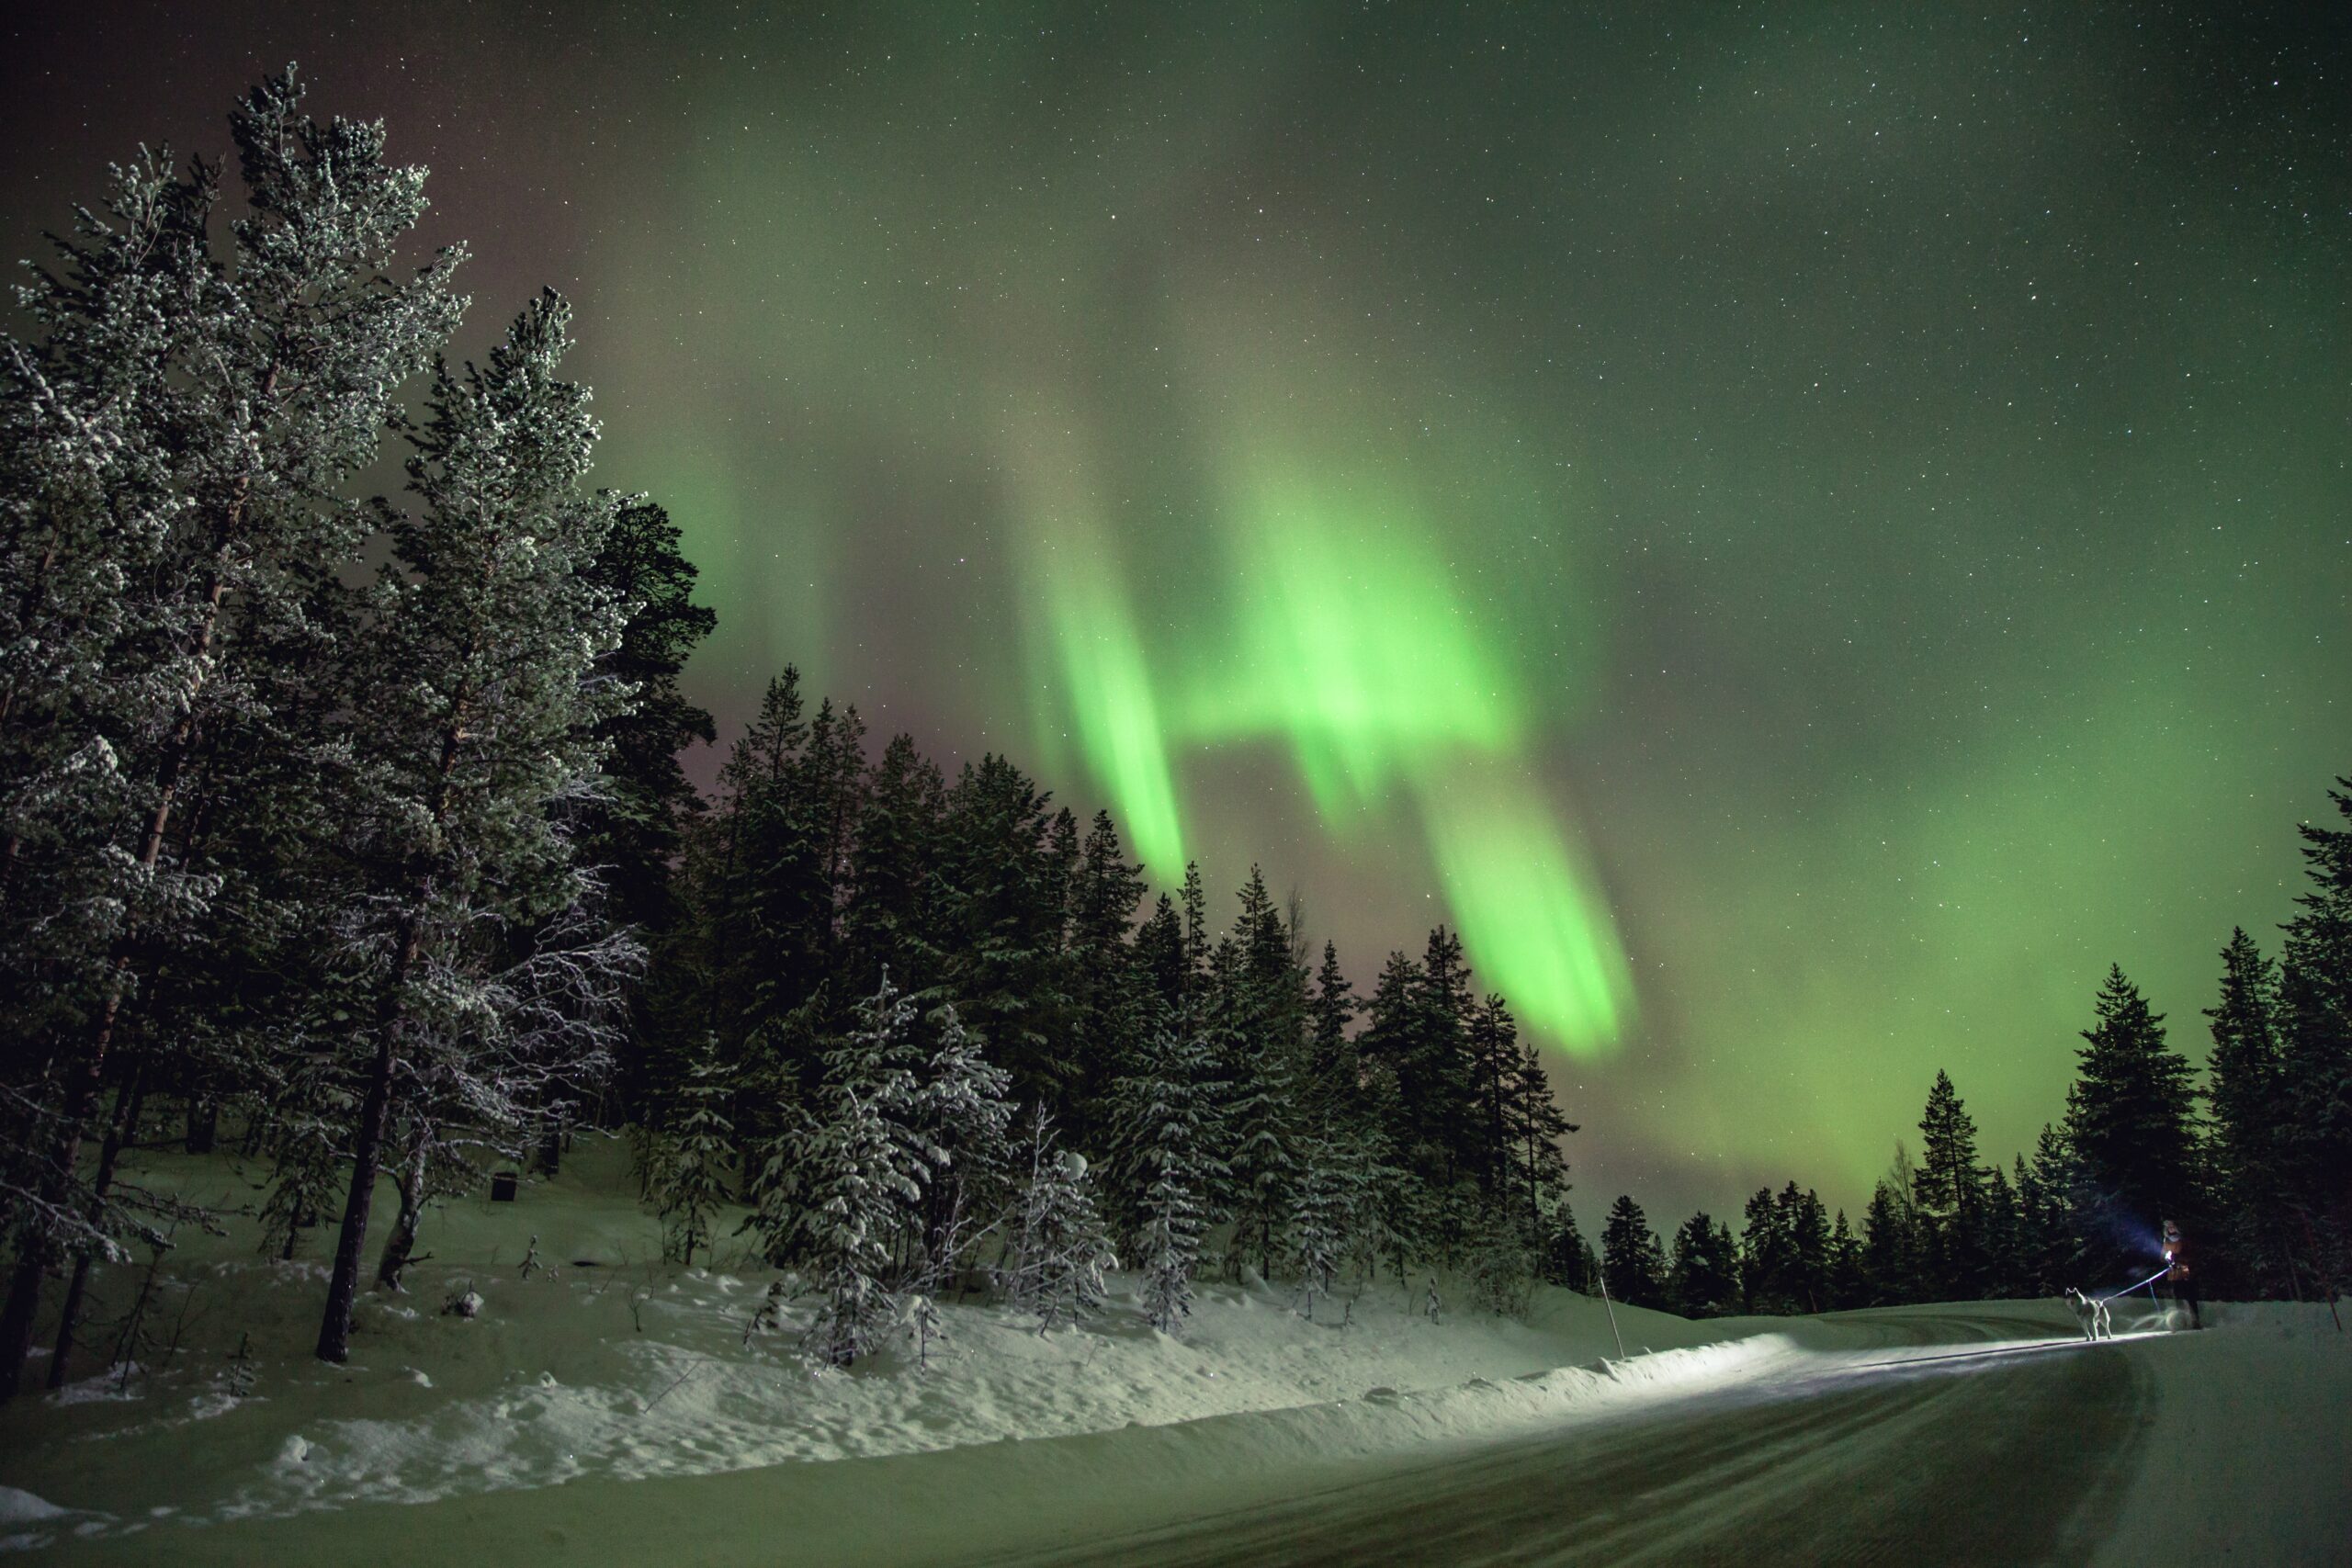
(1973, 1438)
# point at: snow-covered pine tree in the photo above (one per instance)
(1320, 1226)
(965, 1123)
(1332, 1212)
(1058, 1247)
(1165, 1135)
(874, 1066)
(1263, 996)
(305, 1137)
(1106, 986)
(469, 728)
(89, 517)
(1332, 1082)
(858, 1188)
(1264, 1160)
(697, 1171)
(1503, 1264)
(1535, 1164)
(231, 399)
(842, 1191)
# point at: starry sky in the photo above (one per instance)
(1806, 530)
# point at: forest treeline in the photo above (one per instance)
(351, 831)
(2254, 1167)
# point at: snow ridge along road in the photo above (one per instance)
(1977, 1433)
(2012, 1452)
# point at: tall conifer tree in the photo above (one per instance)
(2129, 1130)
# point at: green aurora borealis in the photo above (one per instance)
(1806, 530)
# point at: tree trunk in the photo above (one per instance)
(366, 1158)
(118, 1132)
(16, 1320)
(367, 1154)
(24, 1291)
(401, 1245)
(203, 1124)
(367, 1141)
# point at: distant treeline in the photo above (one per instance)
(2255, 1166)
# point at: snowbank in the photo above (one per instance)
(612, 1365)
(2249, 1459)
(615, 1407)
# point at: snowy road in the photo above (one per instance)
(1963, 1441)
(1974, 1434)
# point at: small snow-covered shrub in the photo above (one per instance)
(1059, 1248)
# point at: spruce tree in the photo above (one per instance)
(1263, 998)
(2245, 1095)
(2130, 1129)
(1703, 1271)
(1058, 1247)
(1332, 1213)
(1631, 1257)
(1438, 1084)
(1768, 1256)
(636, 826)
(1804, 1224)
(889, 919)
(855, 1186)
(2053, 1242)
(1490, 1050)
(844, 1184)
(1165, 1136)
(966, 1121)
(1108, 1004)
(2315, 1058)
(477, 961)
(1948, 1194)
(2003, 1238)
(1331, 1069)
(1003, 907)
(1535, 1167)
(1568, 1258)
(698, 1176)
(1848, 1275)
(1159, 954)
(1890, 1246)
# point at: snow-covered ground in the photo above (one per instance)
(616, 1368)
(606, 1363)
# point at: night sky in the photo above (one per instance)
(1807, 531)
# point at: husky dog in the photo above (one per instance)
(2091, 1315)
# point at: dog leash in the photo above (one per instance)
(2129, 1289)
